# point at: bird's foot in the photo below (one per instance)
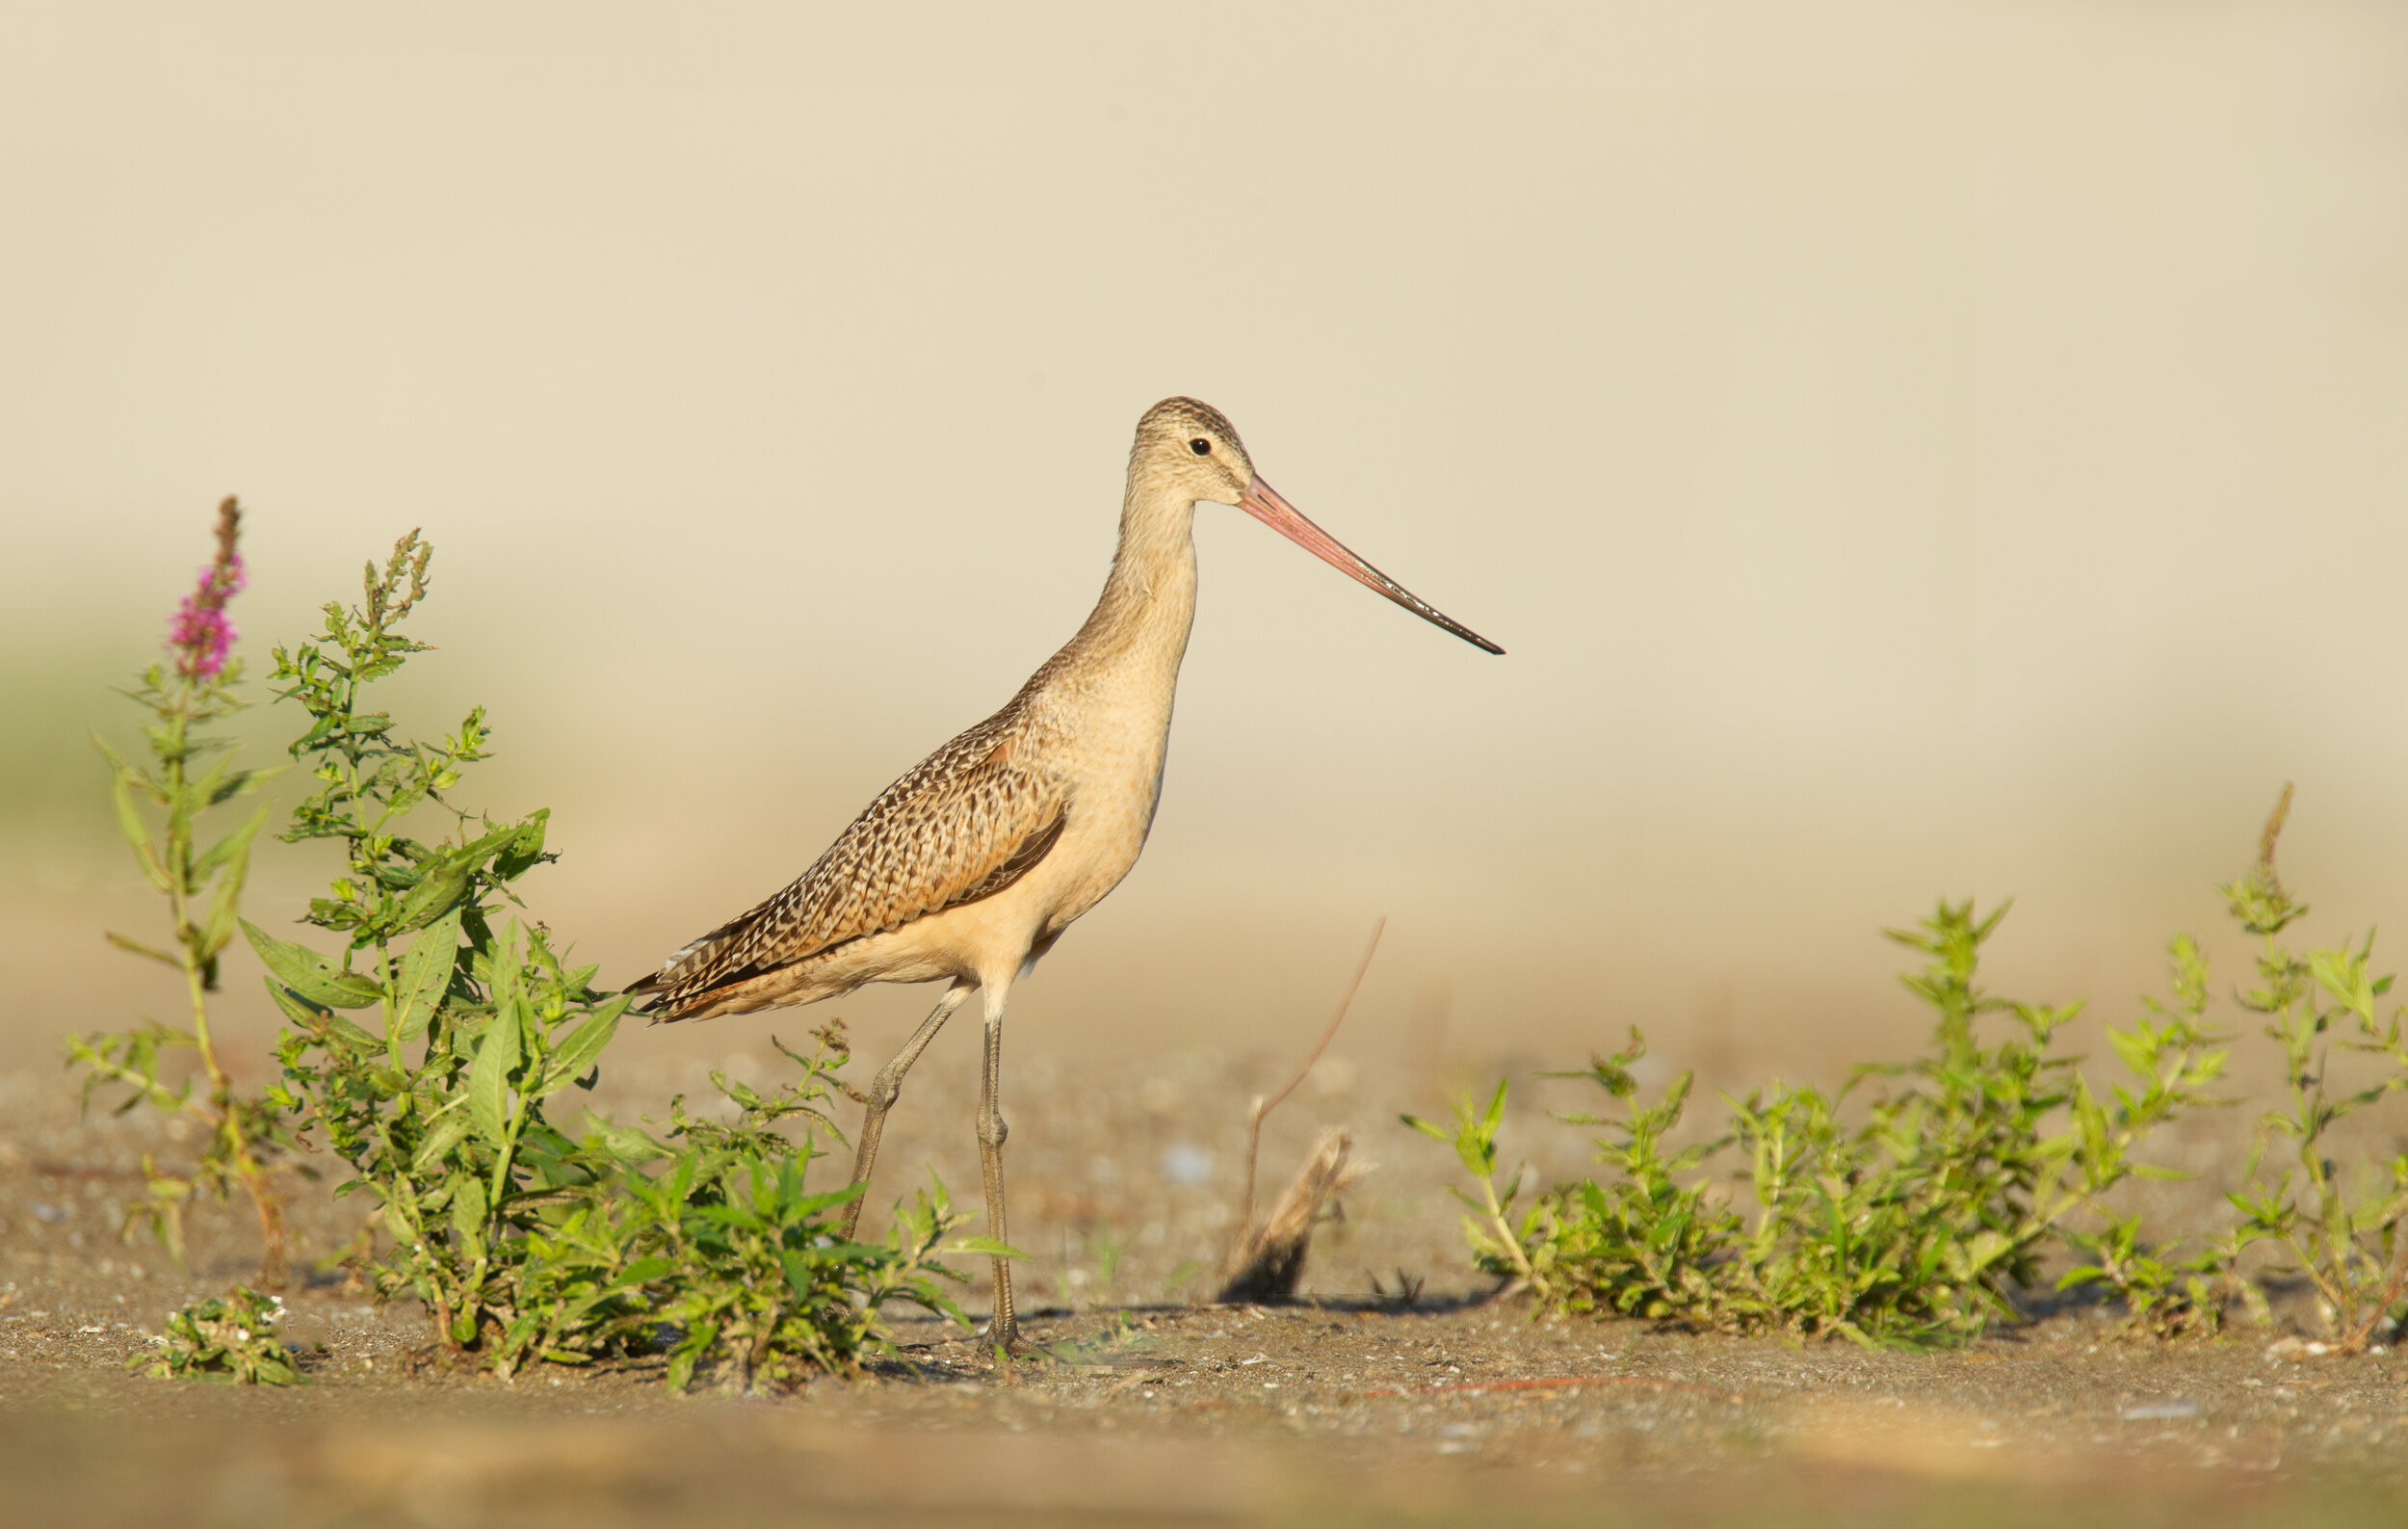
(1015, 1347)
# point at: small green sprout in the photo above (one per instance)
(230, 1340)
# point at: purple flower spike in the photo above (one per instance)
(198, 633)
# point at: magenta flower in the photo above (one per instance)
(198, 633)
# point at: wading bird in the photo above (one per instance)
(968, 869)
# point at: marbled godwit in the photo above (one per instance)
(969, 868)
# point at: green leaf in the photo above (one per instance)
(350, 1035)
(124, 766)
(225, 904)
(309, 975)
(448, 1133)
(584, 1046)
(141, 949)
(799, 1265)
(137, 836)
(525, 847)
(680, 1371)
(424, 976)
(790, 1184)
(1496, 1109)
(243, 782)
(501, 968)
(236, 843)
(625, 1142)
(2135, 1048)
(489, 1077)
(207, 790)
(312, 1018)
(468, 1204)
(436, 893)
(308, 1015)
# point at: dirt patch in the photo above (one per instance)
(1341, 1408)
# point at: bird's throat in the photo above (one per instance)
(1148, 601)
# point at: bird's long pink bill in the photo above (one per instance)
(1263, 502)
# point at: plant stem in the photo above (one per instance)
(2364, 1332)
(1262, 1107)
(227, 1119)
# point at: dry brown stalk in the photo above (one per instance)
(1274, 1256)
(1248, 1250)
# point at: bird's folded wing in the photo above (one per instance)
(966, 823)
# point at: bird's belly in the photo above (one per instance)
(898, 954)
(1097, 849)
(1112, 798)
(990, 939)
(986, 941)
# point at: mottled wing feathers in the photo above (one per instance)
(966, 823)
(1021, 862)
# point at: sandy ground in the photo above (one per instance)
(1345, 1408)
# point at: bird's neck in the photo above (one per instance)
(1142, 620)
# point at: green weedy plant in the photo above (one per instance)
(768, 1291)
(725, 1246)
(439, 1108)
(229, 1340)
(1911, 1227)
(2175, 1060)
(1642, 1243)
(523, 1241)
(189, 773)
(2348, 1239)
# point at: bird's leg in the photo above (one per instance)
(886, 1088)
(1005, 1328)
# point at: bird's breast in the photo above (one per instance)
(1114, 779)
(1099, 719)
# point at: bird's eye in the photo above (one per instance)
(1201, 447)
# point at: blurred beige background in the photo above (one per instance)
(1906, 449)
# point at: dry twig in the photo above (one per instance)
(1275, 1257)
(1264, 1265)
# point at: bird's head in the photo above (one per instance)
(1187, 452)
(1192, 450)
